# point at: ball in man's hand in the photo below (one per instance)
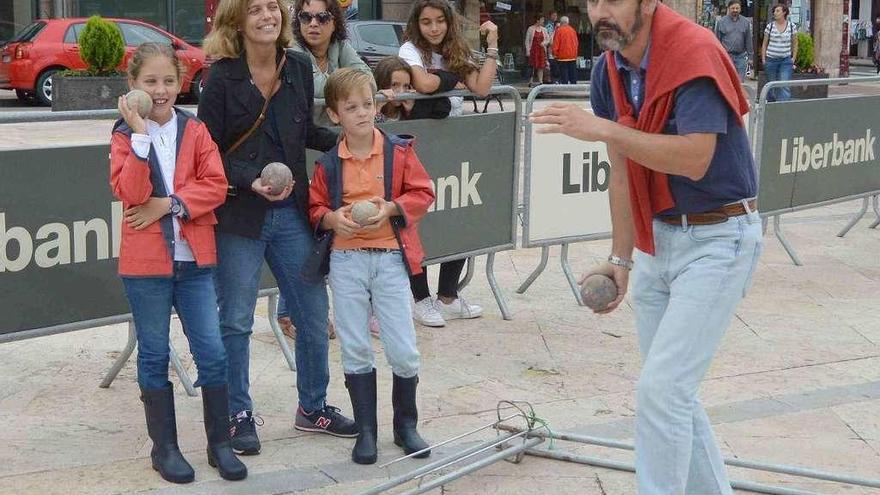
(277, 176)
(598, 291)
(140, 101)
(361, 211)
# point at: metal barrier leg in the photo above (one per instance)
(625, 466)
(855, 219)
(545, 255)
(876, 212)
(782, 239)
(185, 380)
(468, 275)
(493, 284)
(122, 359)
(566, 269)
(279, 335)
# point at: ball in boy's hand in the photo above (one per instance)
(139, 100)
(363, 210)
(598, 291)
(277, 176)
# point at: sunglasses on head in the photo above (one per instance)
(323, 17)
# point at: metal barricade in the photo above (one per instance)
(774, 194)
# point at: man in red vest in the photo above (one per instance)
(565, 49)
(669, 106)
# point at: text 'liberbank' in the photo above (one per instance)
(800, 156)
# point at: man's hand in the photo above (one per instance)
(266, 191)
(387, 209)
(570, 120)
(143, 215)
(340, 222)
(619, 274)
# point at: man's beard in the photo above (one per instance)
(613, 39)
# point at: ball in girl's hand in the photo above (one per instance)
(598, 291)
(363, 210)
(139, 100)
(277, 176)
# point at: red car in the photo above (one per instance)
(29, 59)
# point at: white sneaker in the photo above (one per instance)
(458, 308)
(425, 312)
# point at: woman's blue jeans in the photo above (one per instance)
(779, 69)
(285, 243)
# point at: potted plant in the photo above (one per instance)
(101, 83)
(805, 68)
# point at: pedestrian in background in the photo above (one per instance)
(735, 34)
(262, 92)
(565, 49)
(167, 171)
(779, 51)
(550, 27)
(536, 44)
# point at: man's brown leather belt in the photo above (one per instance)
(719, 215)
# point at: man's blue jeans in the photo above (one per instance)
(684, 299)
(779, 69)
(190, 290)
(285, 243)
(741, 62)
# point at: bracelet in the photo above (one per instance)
(617, 260)
(492, 55)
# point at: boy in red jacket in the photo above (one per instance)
(370, 262)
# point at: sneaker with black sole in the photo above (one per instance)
(327, 420)
(243, 433)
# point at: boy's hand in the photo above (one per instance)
(266, 191)
(387, 209)
(340, 222)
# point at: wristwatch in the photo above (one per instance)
(617, 260)
(176, 207)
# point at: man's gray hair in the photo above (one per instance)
(563, 19)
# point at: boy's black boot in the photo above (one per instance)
(406, 416)
(162, 429)
(362, 390)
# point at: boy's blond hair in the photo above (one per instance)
(343, 82)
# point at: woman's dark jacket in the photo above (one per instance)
(229, 106)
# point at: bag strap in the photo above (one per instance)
(262, 117)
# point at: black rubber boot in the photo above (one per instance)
(362, 390)
(162, 428)
(406, 417)
(215, 404)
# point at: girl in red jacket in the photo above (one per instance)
(167, 171)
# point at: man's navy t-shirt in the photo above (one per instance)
(699, 108)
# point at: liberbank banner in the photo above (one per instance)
(818, 150)
(60, 235)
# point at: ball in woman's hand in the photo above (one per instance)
(140, 101)
(361, 211)
(598, 291)
(276, 176)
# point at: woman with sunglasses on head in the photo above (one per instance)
(257, 105)
(319, 32)
(319, 29)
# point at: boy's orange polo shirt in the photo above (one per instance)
(362, 179)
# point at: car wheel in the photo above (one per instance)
(44, 87)
(25, 96)
(196, 88)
